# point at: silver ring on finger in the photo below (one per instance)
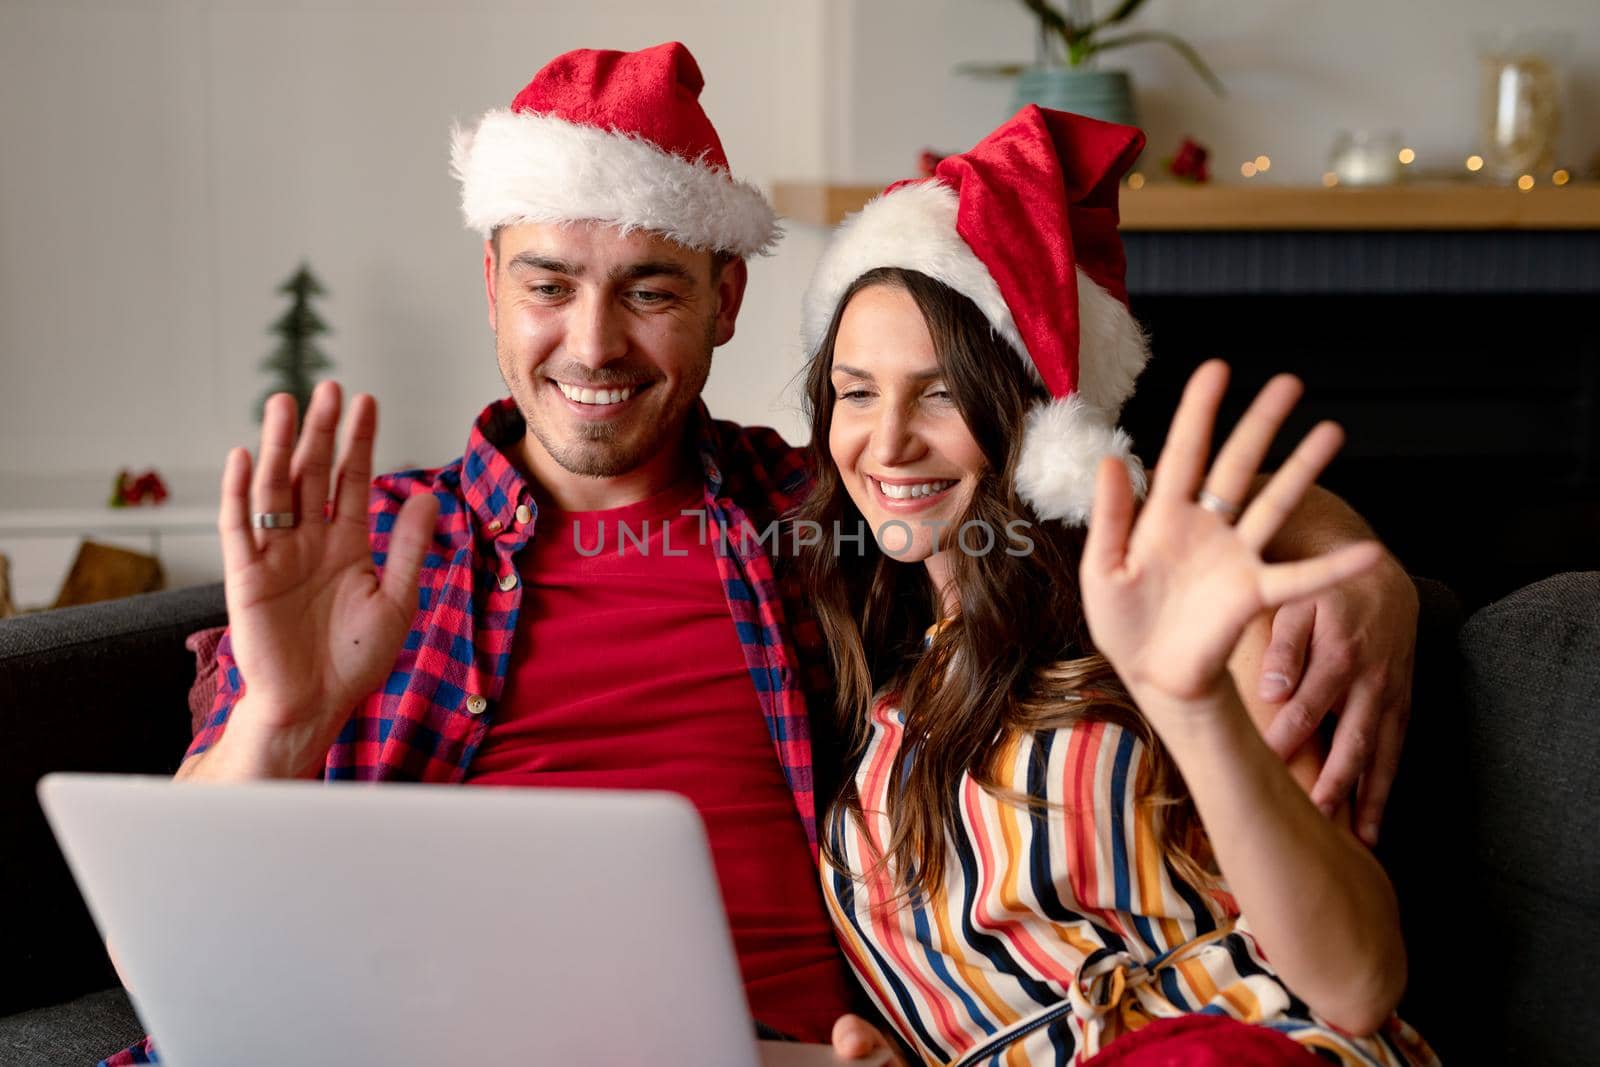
(1218, 506)
(274, 520)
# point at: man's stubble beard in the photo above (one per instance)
(588, 455)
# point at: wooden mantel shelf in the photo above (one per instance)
(1171, 206)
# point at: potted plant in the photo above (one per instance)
(1064, 74)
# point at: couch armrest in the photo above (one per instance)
(1531, 683)
(102, 687)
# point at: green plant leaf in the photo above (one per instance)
(1048, 17)
(1121, 12)
(1177, 43)
(992, 70)
(1053, 22)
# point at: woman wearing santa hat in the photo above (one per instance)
(1061, 835)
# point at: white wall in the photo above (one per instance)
(1296, 72)
(165, 164)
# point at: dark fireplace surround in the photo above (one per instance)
(1464, 366)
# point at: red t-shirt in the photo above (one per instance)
(626, 673)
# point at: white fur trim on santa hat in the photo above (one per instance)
(1062, 447)
(1112, 347)
(914, 227)
(527, 167)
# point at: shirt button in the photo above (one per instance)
(524, 514)
(476, 704)
(495, 526)
(508, 582)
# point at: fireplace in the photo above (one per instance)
(1465, 367)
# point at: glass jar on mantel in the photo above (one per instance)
(1365, 157)
(1520, 103)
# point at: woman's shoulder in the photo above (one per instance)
(1085, 757)
(1087, 715)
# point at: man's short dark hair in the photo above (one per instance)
(719, 260)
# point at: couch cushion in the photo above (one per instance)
(101, 687)
(1532, 688)
(82, 1031)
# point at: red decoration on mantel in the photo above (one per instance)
(147, 488)
(1190, 162)
(927, 160)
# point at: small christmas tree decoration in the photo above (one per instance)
(298, 359)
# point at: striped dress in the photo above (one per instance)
(1058, 928)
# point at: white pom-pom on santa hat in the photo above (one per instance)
(1038, 229)
(1062, 447)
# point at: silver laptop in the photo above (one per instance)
(415, 926)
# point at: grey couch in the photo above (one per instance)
(1492, 837)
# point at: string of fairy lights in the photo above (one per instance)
(1407, 156)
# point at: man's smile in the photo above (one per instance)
(603, 397)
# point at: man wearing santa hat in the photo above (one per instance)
(544, 650)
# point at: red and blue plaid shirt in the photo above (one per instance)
(427, 720)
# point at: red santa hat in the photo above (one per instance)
(1025, 226)
(613, 137)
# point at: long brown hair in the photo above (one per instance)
(1018, 647)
